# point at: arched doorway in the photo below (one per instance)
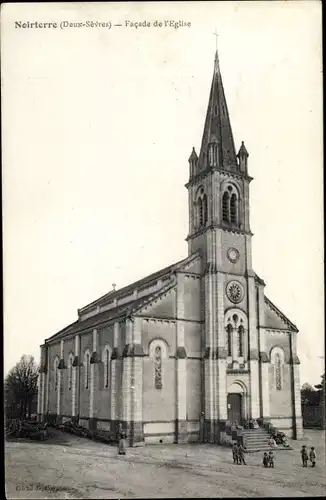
(236, 403)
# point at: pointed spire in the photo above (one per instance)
(193, 155)
(217, 148)
(193, 160)
(216, 63)
(243, 158)
(243, 151)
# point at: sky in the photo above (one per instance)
(98, 125)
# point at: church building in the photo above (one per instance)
(181, 354)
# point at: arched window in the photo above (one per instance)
(236, 326)
(201, 208)
(158, 367)
(87, 358)
(278, 372)
(204, 205)
(225, 207)
(241, 339)
(70, 362)
(158, 352)
(56, 374)
(277, 359)
(106, 358)
(230, 204)
(229, 330)
(200, 212)
(234, 208)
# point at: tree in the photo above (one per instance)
(21, 388)
(309, 396)
(321, 386)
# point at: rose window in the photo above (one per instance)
(234, 291)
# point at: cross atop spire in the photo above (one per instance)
(216, 36)
(216, 66)
(217, 129)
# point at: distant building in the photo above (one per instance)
(178, 353)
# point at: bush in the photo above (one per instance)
(51, 419)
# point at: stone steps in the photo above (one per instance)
(257, 440)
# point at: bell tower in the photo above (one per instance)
(218, 187)
(218, 194)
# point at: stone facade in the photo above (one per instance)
(176, 355)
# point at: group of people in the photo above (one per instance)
(238, 454)
(305, 456)
(279, 438)
(269, 458)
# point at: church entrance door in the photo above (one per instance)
(234, 408)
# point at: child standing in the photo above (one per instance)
(312, 456)
(304, 456)
(265, 460)
(235, 453)
(271, 459)
(240, 450)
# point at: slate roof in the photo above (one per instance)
(274, 318)
(137, 284)
(98, 319)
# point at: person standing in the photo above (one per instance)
(235, 453)
(265, 460)
(272, 442)
(271, 459)
(312, 456)
(241, 459)
(304, 456)
(121, 441)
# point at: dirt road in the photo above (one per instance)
(70, 467)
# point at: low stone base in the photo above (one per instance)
(134, 431)
(92, 424)
(114, 428)
(181, 432)
(214, 431)
(298, 429)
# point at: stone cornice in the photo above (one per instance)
(133, 351)
(87, 330)
(274, 329)
(153, 319)
(217, 353)
(205, 172)
(220, 353)
(237, 371)
(227, 228)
